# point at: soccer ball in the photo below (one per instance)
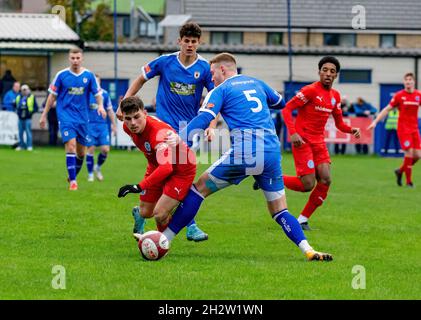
(153, 245)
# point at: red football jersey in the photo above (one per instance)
(408, 104)
(315, 104)
(162, 159)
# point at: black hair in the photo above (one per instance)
(330, 59)
(190, 29)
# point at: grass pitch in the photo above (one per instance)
(366, 221)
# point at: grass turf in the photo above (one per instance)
(367, 220)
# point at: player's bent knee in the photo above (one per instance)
(214, 184)
(161, 216)
(273, 195)
(325, 181)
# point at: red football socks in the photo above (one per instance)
(407, 168)
(293, 183)
(317, 196)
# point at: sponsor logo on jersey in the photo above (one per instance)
(148, 146)
(77, 91)
(183, 89)
(310, 164)
(197, 75)
(320, 98)
(147, 68)
(209, 105)
(320, 108)
(301, 96)
(177, 190)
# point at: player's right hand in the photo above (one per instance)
(42, 122)
(296, 140)
(129, 188)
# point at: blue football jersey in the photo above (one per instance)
(180, 88)
(94, 117)
(244, 104)
(72, 91)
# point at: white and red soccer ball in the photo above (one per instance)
(153, 245)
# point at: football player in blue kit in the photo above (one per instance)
(244, 104)
(71, 88)
(182, 77)
(99, 134)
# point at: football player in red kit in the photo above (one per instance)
(408, 102)
(314, 103)
(170, 171)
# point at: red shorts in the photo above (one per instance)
(410, 140)
(308, 156)
(175, 186)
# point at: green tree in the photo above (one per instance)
(97, 27)
(100, 26)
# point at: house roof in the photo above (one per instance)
(253, 49)
(380, 14)
(35, 27)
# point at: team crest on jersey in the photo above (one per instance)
(333, 101)
(197, 75)
(85, 80)
(148, 146)
(310, 164)
(417, 98)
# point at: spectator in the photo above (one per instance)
(363, 109)
(52, 124)
(347, 109)
(391, 126)
(26, 106)
(9, 99)
(7, 82)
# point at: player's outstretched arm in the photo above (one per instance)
(380, 117)
(133, 89)
(50, 102)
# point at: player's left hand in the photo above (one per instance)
(114, 130)
(129, 188)
(209, 134)
(101, 112)
(356, 132)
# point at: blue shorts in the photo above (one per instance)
(71, 130)
(265, 167)
(99, 135)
